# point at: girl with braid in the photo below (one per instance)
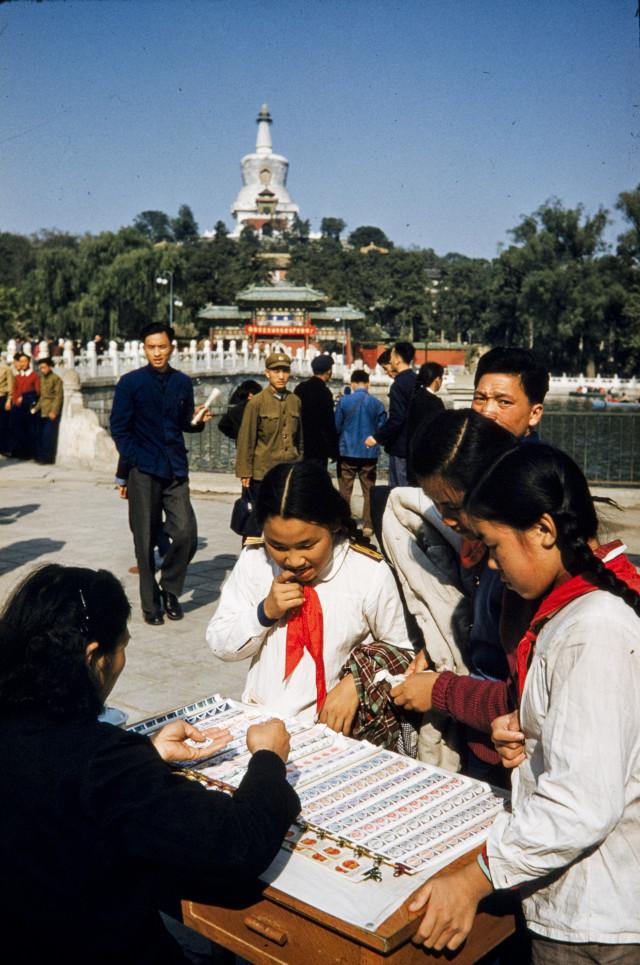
(572, 841)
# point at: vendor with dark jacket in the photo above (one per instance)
(95, 825)
(318, 419)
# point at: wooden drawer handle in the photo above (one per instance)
(266, 928)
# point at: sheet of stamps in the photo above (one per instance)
(361, 805)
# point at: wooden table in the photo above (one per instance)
(274, 928)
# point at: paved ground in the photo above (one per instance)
(75, 517)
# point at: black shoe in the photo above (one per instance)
(171, 605)
(154, 619)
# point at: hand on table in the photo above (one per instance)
(508, 739)
(451, 903)
(170, 742)
(340, 706)
(285, 595)
(270, 736)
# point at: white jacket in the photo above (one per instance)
(576, 799)
(360, 604)
(424, 553)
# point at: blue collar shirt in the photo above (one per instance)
(150, 412)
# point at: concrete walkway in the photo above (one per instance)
(75, 517)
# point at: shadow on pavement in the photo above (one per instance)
(205, 578)
(9, 514)
(17, 554)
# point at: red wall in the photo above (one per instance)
(445, 356)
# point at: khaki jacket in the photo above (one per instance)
(6, 379)
(270, 433)
(51, 395)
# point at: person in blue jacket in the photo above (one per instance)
(358, 416)
(152, 407)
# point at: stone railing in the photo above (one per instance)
(210, 359)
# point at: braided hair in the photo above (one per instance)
(524, 484)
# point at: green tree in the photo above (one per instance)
(460, 298)
(17, 258)
(154, 225)
(184, 227)
(369, 235)
(546, 290)
(332, 228)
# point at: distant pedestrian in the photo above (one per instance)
(394, 434)
(49, 409)
(358, 416)
(152, 407)
(425, 404)
(271, 430)
(384, 361)
(22, 422)
(229, 424)
(6, 391)
(318, 420)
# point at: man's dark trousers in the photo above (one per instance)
(149, 496)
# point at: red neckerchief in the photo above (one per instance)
(565, 593)
(305, 630)
(471, 552)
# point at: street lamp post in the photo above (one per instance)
(166, 278)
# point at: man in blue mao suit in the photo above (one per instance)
(152, 407)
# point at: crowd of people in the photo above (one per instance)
(31, 397)
(511, 627)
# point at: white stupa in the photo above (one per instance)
(264, 200)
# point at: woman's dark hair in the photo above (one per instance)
(458, 445)
(242, 392)
(532, 480)
(304, 490)
(428, 373)
(44, 632)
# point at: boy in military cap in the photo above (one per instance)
(271, 430)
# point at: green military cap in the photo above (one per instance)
(278, 360)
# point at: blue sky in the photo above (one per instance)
(441, 121)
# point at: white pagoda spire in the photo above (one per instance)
(263, 198)
(263, 140)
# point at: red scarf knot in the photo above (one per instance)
(562, 595)
(305, 631)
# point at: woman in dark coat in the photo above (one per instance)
(97, 829)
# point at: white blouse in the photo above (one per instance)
(360, 604)
(573, 841)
